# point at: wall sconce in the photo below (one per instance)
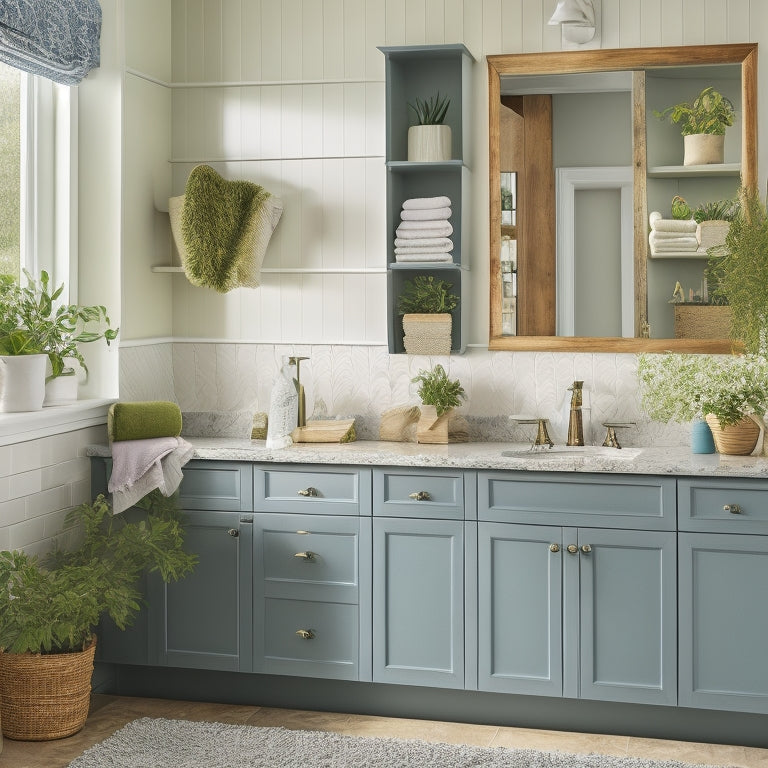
(579, 22)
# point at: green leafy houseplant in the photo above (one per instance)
(710, 112)
(425, 295)
(716, 210)
(53, 605)
(685, 387)
(435, 388)
(431, 111)
(738, 270)
(14, 340)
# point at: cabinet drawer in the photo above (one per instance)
(309, 557)
(626, 501)
(331, 648)
(313, 490)
(217, 485)
(418, 494)
(721, 505)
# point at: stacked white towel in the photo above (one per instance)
(672, 235)
(424, 233)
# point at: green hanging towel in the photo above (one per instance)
(225, 229)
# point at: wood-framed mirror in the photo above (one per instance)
(533, 286)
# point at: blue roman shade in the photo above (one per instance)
(58, 39)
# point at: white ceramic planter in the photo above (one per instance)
(429, 143)
(61, 391)
(703, 149)
(22, 382)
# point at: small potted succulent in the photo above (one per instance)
(439, 396)
(430, 140)
(702, 123)
(426, 303)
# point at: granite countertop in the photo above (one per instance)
(649, 461)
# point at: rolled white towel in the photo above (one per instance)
(427, 202)
(414, 229)
(425, 242)
(426, 214)
(416, 257)
(670, 225)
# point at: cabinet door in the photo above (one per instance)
(206, 618)
(418, 602)
(628, 638)
(519, 608)
(723, 621)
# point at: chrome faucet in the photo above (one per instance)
(575, 421)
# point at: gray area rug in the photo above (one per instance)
(159, 743)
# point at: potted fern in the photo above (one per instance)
(430, 140)
(702, 123)
(425, 303)
(439, 395)
(49, 609)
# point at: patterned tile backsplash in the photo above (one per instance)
(364, 381)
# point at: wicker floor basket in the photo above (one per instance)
(702, 321)
(427, 334)
(736, 439)
(44, 697)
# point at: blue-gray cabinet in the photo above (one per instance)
(723, 574)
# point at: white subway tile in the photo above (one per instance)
(12, 512)
(23, 534)
(25, 484)
(46, 502)
(5, 460)
(26, 456)
(66, 472)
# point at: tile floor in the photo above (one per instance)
(108, 713)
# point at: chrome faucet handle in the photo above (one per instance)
(611, 441)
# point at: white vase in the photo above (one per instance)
(22, 382)
(429, 143)
(61, 391)
(703, 149)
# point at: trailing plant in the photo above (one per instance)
(710, 112)
(53, 605)
(425, 295)
(738, 271)
(431, 111)
(684, 387)
(717, 210)
(438, 390)
(55, 329)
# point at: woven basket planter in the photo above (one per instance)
(736, 439)
(45, 696)
(712, 233)
(427, 334)
(702, 321)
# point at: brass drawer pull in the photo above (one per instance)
(586, 548)
(572, 549)
(554, 548)
(305, 634)
(734, 509)
(305, 556)
(420, 496)
(308, 491)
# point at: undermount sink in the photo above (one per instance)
(574, 451)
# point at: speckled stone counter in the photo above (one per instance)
(649, 461)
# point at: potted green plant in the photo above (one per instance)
(430, 140)
(702, 123)
(738, 270)
(426, 303)
(729, 391)
(439, 395)
(49, 609)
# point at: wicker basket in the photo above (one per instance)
(45, 696)
(427, 334)
(712, 233)
(702, 321)
(735, 439)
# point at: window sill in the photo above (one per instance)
(31, 425)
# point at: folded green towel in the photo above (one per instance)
(142, 420)
(225, 228)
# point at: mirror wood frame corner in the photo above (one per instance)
(542, 290)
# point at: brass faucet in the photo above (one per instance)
(575, 422)
(301, 419)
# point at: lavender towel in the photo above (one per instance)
(426, 214)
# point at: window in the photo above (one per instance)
(10, 169)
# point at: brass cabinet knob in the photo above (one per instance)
(572, 549)
(233, 532)
(586, 548)
(308, 491)
(420, 496)
(305, 556)
(554, 547)
(734, 509)
(305, 634)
